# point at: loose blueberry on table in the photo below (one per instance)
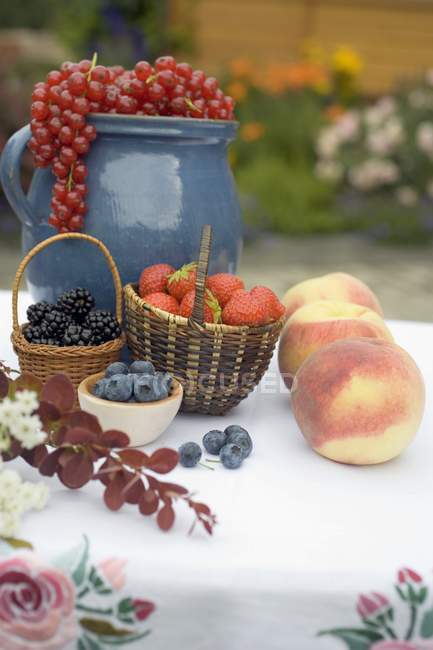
(61, 136)
(232, 445)
(137, 383)
(71, 321)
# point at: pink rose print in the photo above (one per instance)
(36, 606)
(113, 571)
(142, 609)
(372, 605)
(408, 575)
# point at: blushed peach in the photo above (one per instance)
(333, 286)
(322, 322)
(359, 400)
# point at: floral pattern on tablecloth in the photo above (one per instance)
(48, 607)
(403, 624)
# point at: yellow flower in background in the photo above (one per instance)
(252, 131)
(241, 67)
(238, 90)
(346, 61)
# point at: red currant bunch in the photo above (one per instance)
(61, 135)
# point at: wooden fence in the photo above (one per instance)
(394, 37)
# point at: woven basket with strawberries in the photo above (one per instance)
(208, 331)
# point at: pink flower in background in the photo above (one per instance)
(372, 604)
(402, 645)
(142, 609)
(113, 571)
(408, 575)
(36, 606)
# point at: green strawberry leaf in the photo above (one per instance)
(426, 629)
(355, 639)
(400, 593)
(422, 595)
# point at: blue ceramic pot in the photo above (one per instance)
(153, 182)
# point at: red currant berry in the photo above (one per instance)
(59, 169)
(54, 94)
(67, 68)
(117, 70)
(54, 78)
(73, 199)
(79, 173)
(76, 121)
(67, 155)
(199, 76)
(63, 212)
(126, 104)
(85, 65)
(39, 110)
(47, 151)
(55, 110)
(137, 88)
(89, 132)
(40, 94)
(165, 63)
(55, 204)
(33, 145)
(77, 84)
(43, 135)
(82, 208)
(209, 87)
(54, 221)
(94, 107)
(219, 95)
(80, 105)
(54, 125)
(100, 73)
(66, 135)
(178, 91)
(194, 84)
(81, 188)
(156, 92)
(143, 70)
(76, 222)
(149, 108)
(80, 144)
(167, 78)
(178, 106)
(65, 99)
(41, 162)
(184, 70)
(223, 114)
(60, 191)
(95, 91)
(36, 124)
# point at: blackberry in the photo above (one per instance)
(77, 335)
(103, 325)
(35, 334)
(77, 303)
(54, 324)
(37, 312)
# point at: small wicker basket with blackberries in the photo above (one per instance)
(69, 336)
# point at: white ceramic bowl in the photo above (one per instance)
(142, 422)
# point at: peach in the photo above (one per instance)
(333, 286)
(322, 322)
(359, 400)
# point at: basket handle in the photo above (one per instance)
(51, 240)
(197, 316)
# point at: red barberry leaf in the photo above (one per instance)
(78, 436)
(106, 476)
(96, 452)
(35, 456)
(172, 488)
(59, 391)
(208, 526)
(113, 495)
(49, 415)
(133, 457)
(153, 482)
(148, 503)
(165, 518)
(135, 491)
(66, 455)
(113, 438)
(50, 463)
(163, 460)
(77, 471)
(26, 381)
(4, 385)
(84, 420)
(202, 508)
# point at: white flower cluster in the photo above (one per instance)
(16, 497)
(17, 421)
(373, 173)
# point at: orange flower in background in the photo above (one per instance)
(278, 78)
(252, 131)
(238, 90)
(241, 67)
(334, 112)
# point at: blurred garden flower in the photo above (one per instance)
(347, 126)
(406, 196)
(375, 115)
(328, 142)
(424, 137)
(334, 112)
(418, 98)
(252, 131)
(346, 61)
(328, 170)
(241, 67)
(383, 141)
(238, 90)
(373, 173)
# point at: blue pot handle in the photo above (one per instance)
(10, 175)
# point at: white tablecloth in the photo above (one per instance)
(299, 537)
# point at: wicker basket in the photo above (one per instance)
(75, 361)
(218, 365)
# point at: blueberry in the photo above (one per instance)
(99, 388)
(145, 389)
(214, 440)
(119, 388)
(162, 384)
(189, 454)
(240, 436)
(141, 368)
(166, 379)
(231, 456)
(116, 368)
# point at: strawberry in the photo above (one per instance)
(163, 301)
(223, 285)
(154, 278)
(212, 309)
(182, 281)
(244, 309)
(274, 308)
